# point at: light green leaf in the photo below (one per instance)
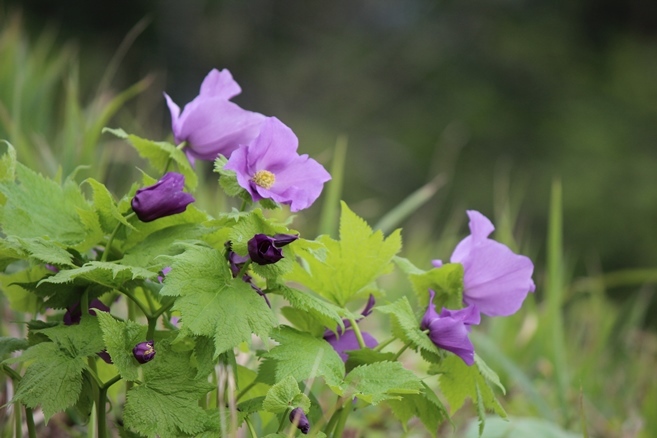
(406, 326)
(159, 243)
(446, 281)
(159, 154)
(228, 180)
(459, 382)
(120, 338)
(53, 380)
(279, 397)
(106, 208)
(78, 340)
(365, 356)
(322, 312)
(9, 345)
(301, 356)
(166, 404)
(426, 406)
(8, 163)
(381, 381)
(212, 303)
(107, 274)
(351, 264)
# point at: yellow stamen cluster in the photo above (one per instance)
(264, 179)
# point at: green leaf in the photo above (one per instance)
(8, 163)
(108, 274)
(301, 356)
(365, 356)
(323, 313)
(228, 180)
(40, 250)
(159, 154)
(41, 208)
(212, 303)
(20, 298)
(426, 406)
(351, 264)
(381, 381)
(78, 340)
(53, 380)
(166, 404)
(120, 338)
(9, 345)
(446, 281)
(285, 395)
(106, 208)
(159, 243)
(459, 382)
(406, 327)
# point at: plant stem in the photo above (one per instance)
(18, 420)
(162, 309)
(359, 335)
(152, 322)
(130, 295)
(108, 247)
(29, 418)
(283, 421)
(100, 412)
(401, 350)
(112, 381)
(244, 391)
(252, 430)
(385, 343)
(342, 419)
(11, 373)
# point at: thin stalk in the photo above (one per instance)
(11, 373)
(246, 389)
(112, 381)
(29, 418)
(130, 295)
(283, 421)
(152, 323)
(401, 350)
(342, 420)
(162, 309)
(385, 343)
(108, 247)
(18, 420)
(101, 414)
(252, 430)
(359, 335)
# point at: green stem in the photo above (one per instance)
(342, 419)
(152, 322)
(252, 430)
(130, 295)
(162, 309)
(18, 420)
(108, 247)
(112, 381)
(283, 420)
(385, 343)
(244, 268)
(359, 335)
(401, 350)
(29, 418)
(100, 413)
(244, 391)
(243, 207)
(11, 373)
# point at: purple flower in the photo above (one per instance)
(105, 356)
(73, 314)
(144, 351)
(265, 250)
(270, 168)
(346, 340)
(164, 273)
(298, 417)
(449, 330)
(164, 198)
(236, 263)
(496, 280)
(211, 124)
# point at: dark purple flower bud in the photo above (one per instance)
(52, 268)
(105, 356)
(299, 417)
(265, 250)
(164, 198)
(73, 314)
(144, 351)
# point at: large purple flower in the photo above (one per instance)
(496, 280)
(449, 329)
(269, 167)
(164, 198)
(211, 124)
(346, 340)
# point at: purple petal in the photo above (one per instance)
(348, 341)
(469, 315)
(369, 306)
(451, 334)
(175, 115)
(431, 313)
(437, 263)
(220, 84)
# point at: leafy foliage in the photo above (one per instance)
(381, 381)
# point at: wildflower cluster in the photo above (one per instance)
(154, 295)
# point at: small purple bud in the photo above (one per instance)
(265, 250)
(73, 314)
(164, 198)
(144, 351)
(297, 415)
(105, 356)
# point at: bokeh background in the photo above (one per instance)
(497, 98)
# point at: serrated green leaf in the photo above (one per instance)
(205, 357)
(280, 396)
(490, 375)
(212, 303)
(20, 298)
(381, 381)
(78, 340)
(302, 356)
(228, 179)
(107, 210)
(323, 313)
(446, 281)
(426, 406)
(166, 404)
(159, 154)
(120, 338)
(159, 243)
(41, 208)
(108, 274)
(53, 380)
(459, 382)
(8, 163)
(352, 263)
(39, 250)
(365, 356)
(406, 327)
(9, 345)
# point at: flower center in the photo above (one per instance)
(264, 179)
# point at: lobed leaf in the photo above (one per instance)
(381, 381)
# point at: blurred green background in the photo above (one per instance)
(499, 98)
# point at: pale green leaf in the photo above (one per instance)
(381, 381)
(107, 274)
(280, 396)
(78, 340)
(106, 208)
(426, 406)
(120, 338)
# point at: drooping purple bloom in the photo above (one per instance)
(449, 329)
(164, 198)
(164, 273)
(144, 351)
(495, 279)
(265, 250)
(236, 262)
(105, 356)
(346, 340)
(299, 417)
(270, 168)
(211, 124)
(73, 314)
